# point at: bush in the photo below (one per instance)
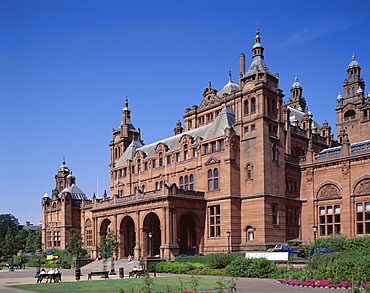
(191, 258)
(335, 242)
(251, 268)
(178, 267)
(221, 260)
(358, 244)
(344, 266)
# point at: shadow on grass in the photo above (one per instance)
(163, 284)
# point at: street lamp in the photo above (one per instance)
(37, 267)
(314, 237)
(150, 243)
(228, 233)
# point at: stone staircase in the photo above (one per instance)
(97, 266)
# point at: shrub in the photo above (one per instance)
(251, 268)
(221, 260)
(178, 267)
(191, 258)
(335, 242)
(358, 244)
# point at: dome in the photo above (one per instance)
(368, 94)
(353, 63)
(339, 97)
(71, 176)
(64, 167)
(257, 45)
(296, 84)
(228, 88)
(359, 90)
(46, 195)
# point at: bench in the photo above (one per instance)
(49, 277)
(136, 273)
(103, 274)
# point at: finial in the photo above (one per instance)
(296, 78)
(229, 75)
(257, 29)
(353, 56)
(209, 84)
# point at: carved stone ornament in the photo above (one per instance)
(345, 168)
(309, 175)
(363, 186)
(329, 190)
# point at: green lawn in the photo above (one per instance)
(132, 285)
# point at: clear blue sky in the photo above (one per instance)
(66, 66)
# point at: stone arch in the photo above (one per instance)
(152, 234)
(362, 185)
(249, 233)
(127, 237)
(328, 189)
(187, 236)
(105, 228)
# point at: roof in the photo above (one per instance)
(228, 88)
(225, 119)
(257, 60)
(75, 192)
(296, 114)
(353, 63)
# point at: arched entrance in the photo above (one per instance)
(105, 228)
(127, 237)
(187, 235)
(152, 235)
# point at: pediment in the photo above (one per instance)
(212, 160)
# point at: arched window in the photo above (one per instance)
(213, 179)
(181, 182)
(249, 172)
(274, 152)
(253, 108)
(246, 107)
(191, 181)
(348, 92)
(138, 165)
(143, 188)
(157, 186)
(353, 91)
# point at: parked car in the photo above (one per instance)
(291, 251)
(322, 249)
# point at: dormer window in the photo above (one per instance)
(160, 160)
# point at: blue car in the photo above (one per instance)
(322, 249)
(287, 248)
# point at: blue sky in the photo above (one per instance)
(66, 66)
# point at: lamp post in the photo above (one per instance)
(314, 238)
(37, 267)
(150, 243)
(228, 240)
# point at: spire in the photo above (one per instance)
(229, 75)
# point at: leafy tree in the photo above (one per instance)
(75, 243)
(21, 238)
(31, 244)
(9, 248)
(7, 221)
(108, 245)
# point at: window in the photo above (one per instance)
(181, 182)
(186, 153)
(246, 129)
(146, 166)
(160, 160)
(250, 235)
(154, 164)
(139, 165)
(222, 144)
(253, 108)
(177, 157)
(132, 169)
(292, 221)
(363, 218)
(168, 160)
(213, 146)
(213, 179)
(246, 107)
(249, 172)
(253, 127)
(206, 148)
(191, 182)
(194, 153)
(214, 221)
(329, 220)
(274, 214)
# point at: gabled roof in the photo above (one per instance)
(225, 119)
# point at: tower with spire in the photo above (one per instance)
(353, 107)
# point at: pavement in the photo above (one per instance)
(27, 276)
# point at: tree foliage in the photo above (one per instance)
(75, 243)
(7, 221)
(108, 245)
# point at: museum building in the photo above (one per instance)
(244, 172)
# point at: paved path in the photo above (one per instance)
(27, 276)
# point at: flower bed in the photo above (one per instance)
(321, 284)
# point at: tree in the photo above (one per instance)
(9, 247)
(108, 245)
(31, 244)
(7, 221)
(75, 243)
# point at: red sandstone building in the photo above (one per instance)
(245, 168)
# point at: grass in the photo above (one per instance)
(131, 285)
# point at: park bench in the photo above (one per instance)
(103, 274)
(49, 278)
(136, 273)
